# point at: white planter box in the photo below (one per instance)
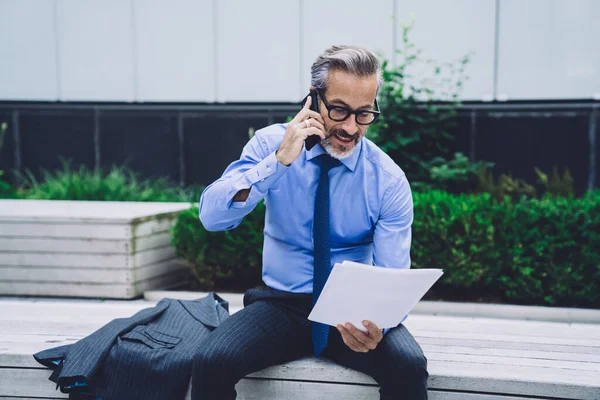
(87, 248)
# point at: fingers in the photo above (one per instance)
(303, 113)
(306, 132)
(358, 340)
(351, 341)
(306, 113)
(314, 122)
(297, 131)
(307, 104)
(314, 128)
(374, 330)
(364, 338)
(314, 115)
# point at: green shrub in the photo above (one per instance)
(457, 233)
(556, 185)
(530, 251)
(230, 259)
(526, 251)
(458, 175)
(516, 188)
(504, 186)
(418, 116)
(7, 191)
(116, 184)
(552, 251)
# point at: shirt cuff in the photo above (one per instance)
(258, 179)
(386, 330)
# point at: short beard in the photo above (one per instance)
(340, 152)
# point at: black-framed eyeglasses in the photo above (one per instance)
(340, 113)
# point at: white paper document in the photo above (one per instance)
(356, 292)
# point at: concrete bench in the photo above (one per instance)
(469, 358)
(87, 248)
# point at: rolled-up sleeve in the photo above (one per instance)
(257, 170)
(392, 236)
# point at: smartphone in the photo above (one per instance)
(312, 140)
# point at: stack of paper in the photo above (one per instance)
(356, 292)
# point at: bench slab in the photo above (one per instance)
(469, 358)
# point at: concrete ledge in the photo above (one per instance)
(90, 249)
(509, 311)
(468, 358)
(479, 310)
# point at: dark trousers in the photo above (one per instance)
(273, 329)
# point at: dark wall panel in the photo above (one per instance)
(281, 118)
(48, 136)
(146, 138)
(462, 134)
(146, 143)
(518, 144)
(212, 143)
(7, 150)
(597, 160)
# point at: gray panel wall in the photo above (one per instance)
(332, 22)
(261, 50)
(447, 31)
(174, 43)
(549, 49)
(257, 50)
(96, 53)
(27, 50)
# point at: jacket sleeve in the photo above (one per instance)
(257, 170)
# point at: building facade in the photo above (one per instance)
(172, 88)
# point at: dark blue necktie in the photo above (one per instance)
(321, 230)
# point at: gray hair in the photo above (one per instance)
(352, 59)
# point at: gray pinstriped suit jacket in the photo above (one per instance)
(146, 356)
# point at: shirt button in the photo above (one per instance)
(268, 169)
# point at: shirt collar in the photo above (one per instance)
(350, 162)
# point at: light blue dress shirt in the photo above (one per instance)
(371, 208)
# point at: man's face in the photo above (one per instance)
(354, 92)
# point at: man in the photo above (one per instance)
(344, 199)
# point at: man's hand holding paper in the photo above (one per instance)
(358, 340)
(355, 293)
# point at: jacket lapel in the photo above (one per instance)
(206, 310)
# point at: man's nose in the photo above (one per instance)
(350, 125)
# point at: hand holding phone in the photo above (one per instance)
(306, 124)
(312, 140)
